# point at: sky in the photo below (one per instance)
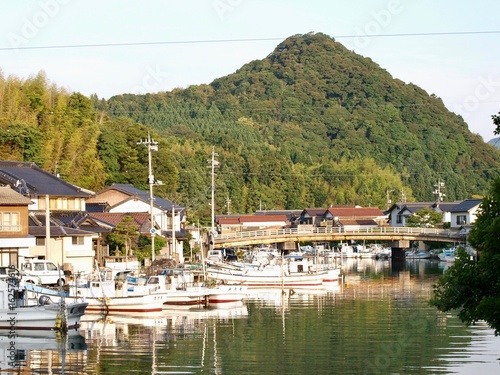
(110, 47)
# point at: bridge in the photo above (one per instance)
(396, 237)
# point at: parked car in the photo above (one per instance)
(222, 255)
(46, 270)
(21, 276)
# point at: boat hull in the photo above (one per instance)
(129, 304)
(41, 317)
(264, 279)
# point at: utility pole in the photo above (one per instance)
(228, 202)
(152, 145)
(437, 193)
(174, 243)
(213, 164)
(388, 200)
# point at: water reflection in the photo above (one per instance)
(377, 322)
(45, 351)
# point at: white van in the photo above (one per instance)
(46, 270)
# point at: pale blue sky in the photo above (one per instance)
(462, 69)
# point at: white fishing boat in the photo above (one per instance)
(185, 288)
(19, 313)
(417, 254)
(448, 255)
(291, 272)
(106, 295)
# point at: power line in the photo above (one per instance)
(242, 40)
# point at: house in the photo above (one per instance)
(292, 216)
(15, 239)
(240, 223)
(464, 214)
(445, 208)
(169, 218)
(355, 217)
(313, 216)
(457, 213)
(398, 213)
(58, 239)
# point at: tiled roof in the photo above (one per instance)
(262, 219)
(65, 218)
(28, 179)
(365, 222)
(466, 205)
(142, 195)
(315, 211)
(251, 219)
(9, 197)
(115, 218)
(356, 212)
(57, 231)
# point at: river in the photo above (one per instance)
(377, 321)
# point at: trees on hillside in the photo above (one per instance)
(496, 121)
(473, 286)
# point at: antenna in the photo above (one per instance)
(438, 194)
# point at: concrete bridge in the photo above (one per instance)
(396, 237)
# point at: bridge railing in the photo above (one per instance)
(414, 231)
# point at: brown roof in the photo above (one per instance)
(366, 222)
(115, 218)
(262, 219)
(356, 212)
(251, 219)
(229, 220)
(9, 197)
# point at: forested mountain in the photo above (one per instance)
(313, 124)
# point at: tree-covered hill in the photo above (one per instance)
(313, 124)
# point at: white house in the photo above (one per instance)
(464, 214)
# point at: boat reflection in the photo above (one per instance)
(42, 352)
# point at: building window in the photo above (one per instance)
(399, 219)
(77, 240)
(461, 219)
(10, 222)
(40, 241)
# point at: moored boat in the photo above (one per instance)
(19, 313)
(106, 295)
(292, 272)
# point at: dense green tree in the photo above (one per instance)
(124, 237)
(496, 121)
(473, 286)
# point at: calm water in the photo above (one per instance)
(378, 322)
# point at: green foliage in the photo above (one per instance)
(496, 121)
(124, 236)
(144, 250)
(473, 287)
(424, 218)
(312, 124)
